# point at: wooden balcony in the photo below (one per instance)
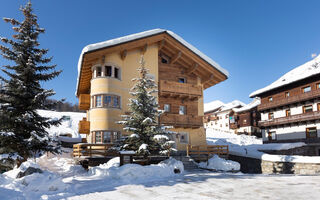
(179, 90)
(185, 121)
(234, 125)
(84, 126)
(290, 100)
(291, 119)
(84, 101)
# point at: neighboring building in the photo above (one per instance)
(181, 71)
(245, 120)
(290, 107)
(217, 114)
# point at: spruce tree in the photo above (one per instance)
(22, 129)
(148, 137)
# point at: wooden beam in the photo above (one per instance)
(144, 48)
(195, 66)
(161, 44)
(208, 79)
(123, 54)
(176, 57)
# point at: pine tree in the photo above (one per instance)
(22, 129)
(148, 137)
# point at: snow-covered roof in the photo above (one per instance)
(303, 71)
(136, 36)
(233, 104)
(219, 106)
(214, 105)
(254, 103)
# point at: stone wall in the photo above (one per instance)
(308, 150)
(256, 166)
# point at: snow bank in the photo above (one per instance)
(133, 172)
(220, 164)
(250, 146)
(303, 71)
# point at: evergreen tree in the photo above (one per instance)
(148, 137)
(22, 129)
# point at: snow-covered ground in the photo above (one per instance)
(249, 146)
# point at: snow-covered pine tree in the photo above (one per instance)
(22, 129)
(148, 137)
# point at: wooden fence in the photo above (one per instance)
(93, 150)
(203, 152)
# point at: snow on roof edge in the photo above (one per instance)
(120, 40)
(255, 102)
(297, 77)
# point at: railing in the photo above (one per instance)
(290, 100)
(291, 119)
(202, 152)
(93, 150)
(84, 126)
(84, 101)
(183, 89)
(181, 120)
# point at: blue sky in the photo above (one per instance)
(256, 41)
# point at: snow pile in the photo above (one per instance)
(133, 172)
(303, 71)
(250, 146)
(68, 126)
(220, 164)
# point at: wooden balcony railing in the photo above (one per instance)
(183, 90)
(93, 150)
(84, 101)
(181, 120)
(203, 152)
(84, 126)
(290, 100)
(291, 119)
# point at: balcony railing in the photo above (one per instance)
(290, 100)
(175, 89)
(291, 119)
(84, 101)
(84, 126)
(93, 150)
(181, 120)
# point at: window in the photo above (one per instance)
(318, 105)
(115, 102)
(116, 73)
(271, 117)
(270, 99)
(227, 125)
(182, 80)
(183, 138)
(287, 94)
(98, 137)
(108, 71)
(311, 132)
(306, 89)
(164, 60)
(107, 101)
(106, 136)
(182, 110)
(227, 116)
(288, 113)
(318, 85)
(272, 135)
(98, 71)
(98, 101)
(307, 109)
(166, 107)
(244, 121)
